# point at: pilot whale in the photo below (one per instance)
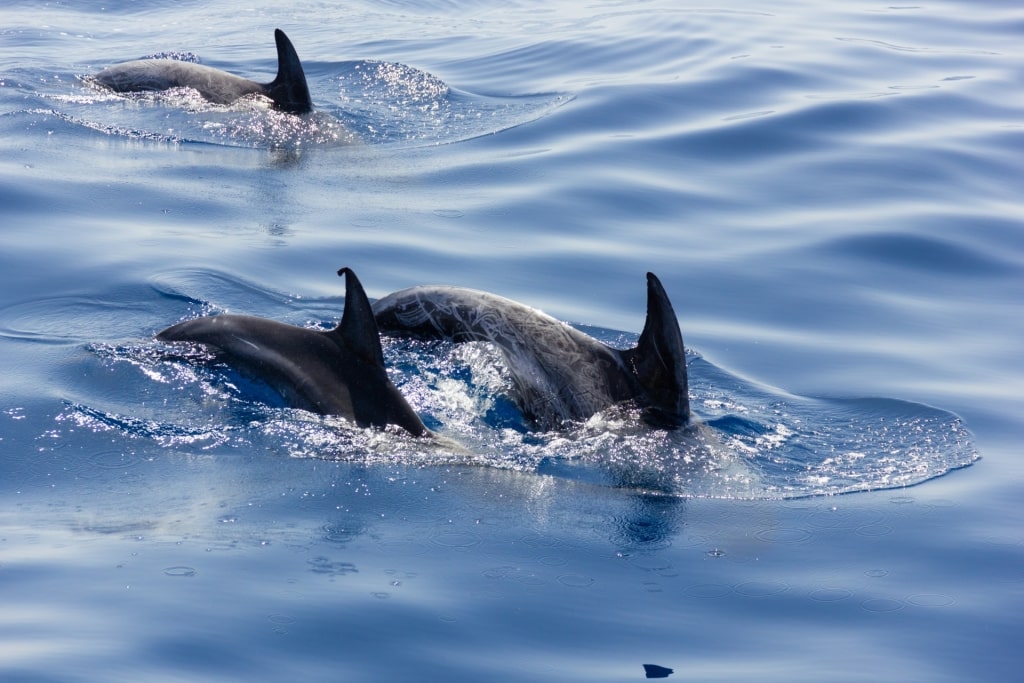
(336, 372)
(288, 91)
(558, 373)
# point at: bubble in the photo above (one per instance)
(180, 571)
(843, 518)
(931, 600)
(831, 594)
(783, 535)
(651, 563)
(882, 605)
(761, 589)
(707, 590)
(281, 619)
(576, 580)
(456, 539)
(114, 460)
(515, 574)
(324, 565)
(340, 534)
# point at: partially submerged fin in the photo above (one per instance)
(659, 361)
(359, 335)
(357, 330)
(289, 90)
(335, 372)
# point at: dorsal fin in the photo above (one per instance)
(659, 361)
(357, 330)
(289, 90)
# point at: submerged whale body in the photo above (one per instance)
(288, 90)
(558, 373)
(336, 372)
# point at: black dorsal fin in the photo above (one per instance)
(358, 328)
(289, 90)
(659, 361)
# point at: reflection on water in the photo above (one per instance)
(752, 442)
(830, 192)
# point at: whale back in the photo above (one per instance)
(288, 91)
(558, 372)
(216, 86)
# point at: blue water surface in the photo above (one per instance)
(830, 193)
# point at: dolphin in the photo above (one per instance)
(288, 91)
(336, 372)
(559, 374)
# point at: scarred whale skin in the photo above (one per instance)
(559, 374)
(288, 91)
(335, 372)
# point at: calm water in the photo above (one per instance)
(831, 194)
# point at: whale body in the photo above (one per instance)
(558, 373)
(288, 91)
(336, 372)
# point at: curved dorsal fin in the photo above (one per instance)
(289, 90)
(659, 360)
(357, 330)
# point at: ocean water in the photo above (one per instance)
(831, 194)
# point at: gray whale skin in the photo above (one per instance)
(335, 372)
(559, 374)
(288, 90)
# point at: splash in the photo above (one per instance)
(753, 443)
(386, 102)
(363, 102)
